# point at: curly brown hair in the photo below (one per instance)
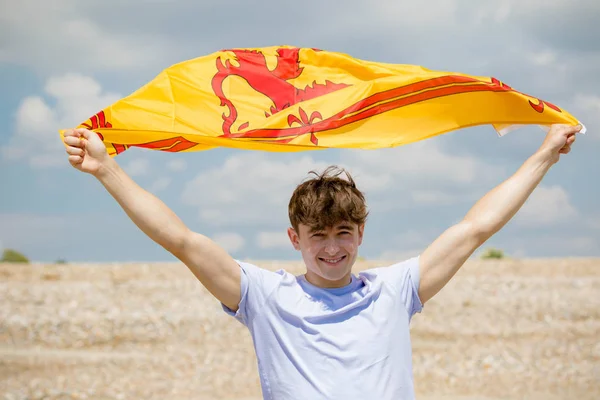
(326, 200)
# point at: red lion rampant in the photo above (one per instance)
(272, 83)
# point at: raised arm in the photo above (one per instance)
(443, 258)
(215, 269)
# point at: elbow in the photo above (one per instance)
(188, 244)
(480, 230)
(179, 244)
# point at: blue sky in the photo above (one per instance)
(61, 62)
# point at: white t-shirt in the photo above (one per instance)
(344, 343)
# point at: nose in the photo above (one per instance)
(331, 247)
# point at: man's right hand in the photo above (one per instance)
(86, 151)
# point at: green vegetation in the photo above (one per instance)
(13, 256)
(492, 254)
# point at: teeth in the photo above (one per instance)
(333, 260)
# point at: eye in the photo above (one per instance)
(318, 234)
(345, 233)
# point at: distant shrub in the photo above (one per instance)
(493, 254)
(60, 261)
(13, 256)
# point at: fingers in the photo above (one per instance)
(565, 150)
(72, 133)
(74, 160)
(86, 133)
(568, 129)
(77, 133)
(567, 146)
(75, 151)
(574, 129)
(74, 142)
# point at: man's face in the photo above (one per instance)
(330, 253)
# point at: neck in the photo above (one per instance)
(321, 282)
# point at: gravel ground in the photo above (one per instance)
(514, 329)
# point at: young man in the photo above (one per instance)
(327, 334)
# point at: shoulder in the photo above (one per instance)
(402, 279)
(256, 285)
(262, 276)
(407, 267)
(254, 269)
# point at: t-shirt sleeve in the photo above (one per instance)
(255, 286)
(405, 277)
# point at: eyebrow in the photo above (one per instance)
(338, 228)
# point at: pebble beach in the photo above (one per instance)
(501, 329)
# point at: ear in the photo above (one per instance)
(361, 231)
(294, 238)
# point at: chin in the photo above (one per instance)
(334, 273)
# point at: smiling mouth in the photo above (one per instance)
(332, 261)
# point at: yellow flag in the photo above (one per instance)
(293, 99)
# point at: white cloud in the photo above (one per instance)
(546, 206)
(230, 241)
(438, 13)
(543, 58)
(515, 11)
(437, 197)
(137, 167)
(497, 14)
(69, 100)
(423, 161)
(159, 185)
(177, 165)
(60, 35)
(589, 104)
(273, 240)
(250, 186)
(593, 222)
(394, 256)
(247, 187)
(412, 238)
(33, 114)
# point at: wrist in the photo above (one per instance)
(106, 168)
(545, 157)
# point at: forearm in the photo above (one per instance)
(498, 206)
(150, 214)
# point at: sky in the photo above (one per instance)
(62, 61)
